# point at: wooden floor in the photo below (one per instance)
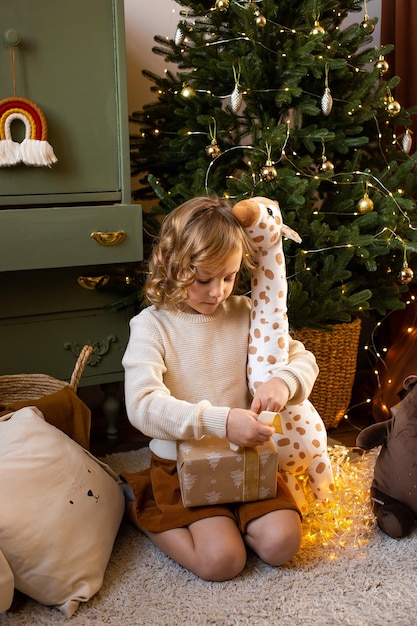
(129, 438)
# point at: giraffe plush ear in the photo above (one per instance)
(290, 233)
(246, 212)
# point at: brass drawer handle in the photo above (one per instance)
(91, 282)
(103, 238)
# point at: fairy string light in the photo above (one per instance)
(343, 524)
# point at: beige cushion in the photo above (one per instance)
(6, 584)
(60, 511)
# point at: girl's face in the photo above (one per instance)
(211, 288)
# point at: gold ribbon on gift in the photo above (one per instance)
(272, 419)
(250, 474)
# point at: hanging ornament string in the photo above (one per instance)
(268, 171)
(13, 68)
(213, 150)
(317, 28)
(34, 149)
(366, 22)
(326, 165)
(406, 274)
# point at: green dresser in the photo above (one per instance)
(67, 227)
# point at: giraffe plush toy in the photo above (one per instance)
(302, 444)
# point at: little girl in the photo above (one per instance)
(185, 377)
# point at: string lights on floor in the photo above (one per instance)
(344, 523)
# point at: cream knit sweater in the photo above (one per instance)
(184, 371)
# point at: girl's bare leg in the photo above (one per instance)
(211, 548)
(275, 537)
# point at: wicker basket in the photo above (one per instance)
(336, 353)
(21, 387)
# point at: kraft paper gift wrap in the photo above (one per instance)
(210, 472)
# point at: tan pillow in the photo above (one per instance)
(6, 584)
(60, 511)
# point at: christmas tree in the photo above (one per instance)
(278, 98)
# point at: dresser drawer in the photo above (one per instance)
(45, 345)
(55, 291)
(62, 236)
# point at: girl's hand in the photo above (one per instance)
(270, 396)
(243, 429)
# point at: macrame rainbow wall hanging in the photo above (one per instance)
(34, 149)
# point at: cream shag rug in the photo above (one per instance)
(359, 577)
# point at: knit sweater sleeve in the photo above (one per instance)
(299, 373)
(150, 404)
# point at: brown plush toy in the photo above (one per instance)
(394, 485)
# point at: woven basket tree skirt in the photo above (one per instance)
(336, 353)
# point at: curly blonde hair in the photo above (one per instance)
(198, 234)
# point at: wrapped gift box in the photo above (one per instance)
(210, 472)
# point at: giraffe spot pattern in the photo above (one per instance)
(282, 443)
(269, 274)
(321, 467)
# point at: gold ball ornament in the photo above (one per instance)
(406, 276)
(222, 5)
(188, 92)
(365, 204)
(317, 29)
(393, 107)
(260, 21)
(268, 172)
(213, 150)
(367, 25)
(382, 66)
(327, 166)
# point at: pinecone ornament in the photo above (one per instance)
(327, 102)
(236, 99)
(407, 141)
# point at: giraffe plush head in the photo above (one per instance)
(268, 337)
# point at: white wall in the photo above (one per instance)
(145, 19)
